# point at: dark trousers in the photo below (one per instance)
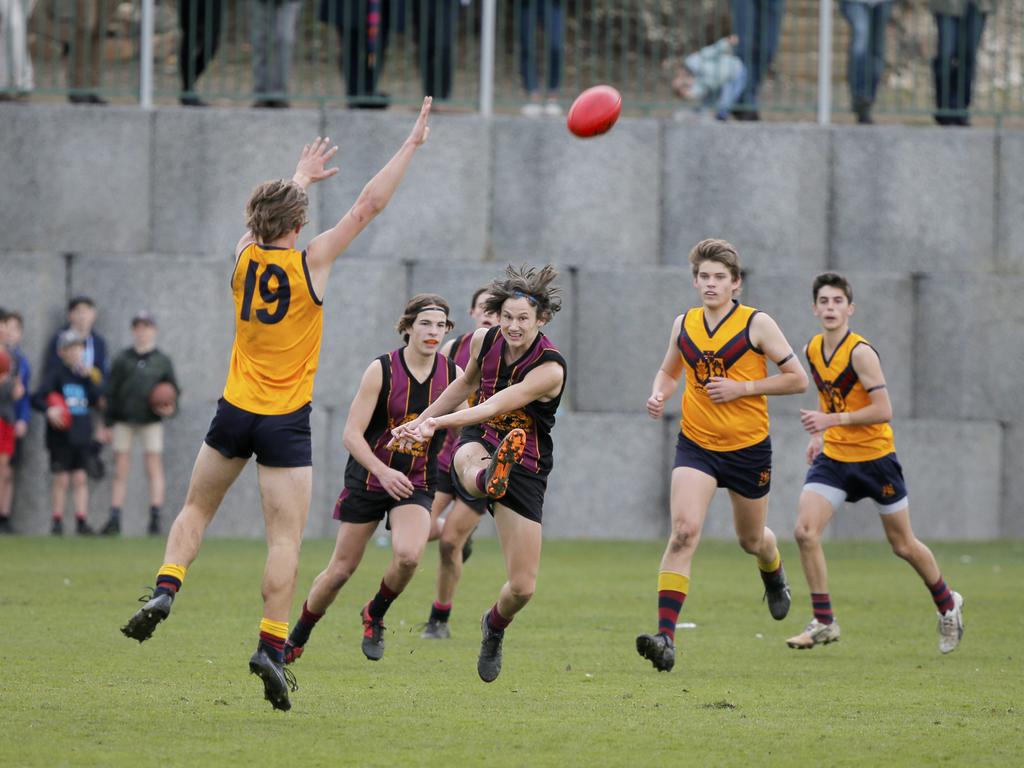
(758, 24)
(866, 59)
(956, 61)
(548, 14)
(200, 37)
(435, 32)
(364, 42)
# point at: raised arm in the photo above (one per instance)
(868, 368)
(360, 412)
(667, 378)
(791, 379)
(326, 247)
(310, 169)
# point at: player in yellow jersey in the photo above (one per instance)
(852, 457)
(722, 347)
(278, 291)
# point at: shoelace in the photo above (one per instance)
(947, 623)
(289, 678)
(147, 595)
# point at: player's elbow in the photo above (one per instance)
(370, 203)
(800, 382)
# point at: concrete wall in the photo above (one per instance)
(142, 210)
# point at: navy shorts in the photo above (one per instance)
(880, 480)
(524, 496)
(65, 457)
(362, 506)
(747, 471)
(277, 441)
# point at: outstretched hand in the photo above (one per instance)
(314, 157)
(421, 130)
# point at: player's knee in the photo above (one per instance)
(750, 543)
(447, 549)
(407, 559)
(902, 548)
(684, 536)
(522, 588)
(806, 536)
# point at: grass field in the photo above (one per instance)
(573, 692)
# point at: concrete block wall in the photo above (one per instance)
(142, 210)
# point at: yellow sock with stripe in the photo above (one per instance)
(169, 579)
(771, 571)
(273, 635)
(672, 590)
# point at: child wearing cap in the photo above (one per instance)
(65, 395)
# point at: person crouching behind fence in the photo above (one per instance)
(712, 76)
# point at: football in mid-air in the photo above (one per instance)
(164, 395)
(595, 111)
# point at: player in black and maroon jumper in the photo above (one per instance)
(456, 530)
(505, 452)
(383, 478)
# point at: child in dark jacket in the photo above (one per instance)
(66, 394)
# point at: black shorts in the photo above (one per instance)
(747, 471)
(277, 441)
(443, 483)
(65, 457)
(361, 506)
(525, 494)
(880, 480)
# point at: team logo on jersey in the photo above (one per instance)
(834, 398)
(416, 450)
(764, 478)
(888, 491)
(708, 367)
(506, 422)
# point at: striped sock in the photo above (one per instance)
(440, 611)
(942, 596)
(272, 637)
(821, 604)
(382, 601)
(771, 570)
(496, 621)
(169, 579)
(304, 626)
(672, 590)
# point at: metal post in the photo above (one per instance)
(146, 56)
(824, 62)
(487, 37)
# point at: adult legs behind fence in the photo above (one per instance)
(435, 22)
(364, 31)
(866, 56)
(200, 36)
(16, 77)
(272, 33)
(84, 58)
(757, 23)
(955, 63)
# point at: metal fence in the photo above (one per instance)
(374, 53)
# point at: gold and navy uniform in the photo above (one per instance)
(278, 326)
(724, 351)
(839, 391)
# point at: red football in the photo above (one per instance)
(56, 400)
(162, 395)
(595, 111)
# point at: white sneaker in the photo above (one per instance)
(532, 109)
(951, 625)
(814, 634)
(552, 108)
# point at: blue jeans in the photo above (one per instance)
(956, 60)
(757, 23)
(866, 60)
(731, 93)
(549, 13)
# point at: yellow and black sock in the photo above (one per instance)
(771, 570)
(273, 635)
(169, 579)
(672, 590)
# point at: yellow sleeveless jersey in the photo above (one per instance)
(278, 325)
(724, 351)
(840, 390)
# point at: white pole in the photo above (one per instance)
(146, 56)
(487, 37)
(824, 62)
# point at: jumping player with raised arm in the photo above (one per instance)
(853, 456)
(722, 347)
(278, 291)
(505, 451)
(383, 478)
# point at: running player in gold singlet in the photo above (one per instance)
(852, 457)
(722, 346)
(278, 291)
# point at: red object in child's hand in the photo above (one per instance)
(56, 400)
